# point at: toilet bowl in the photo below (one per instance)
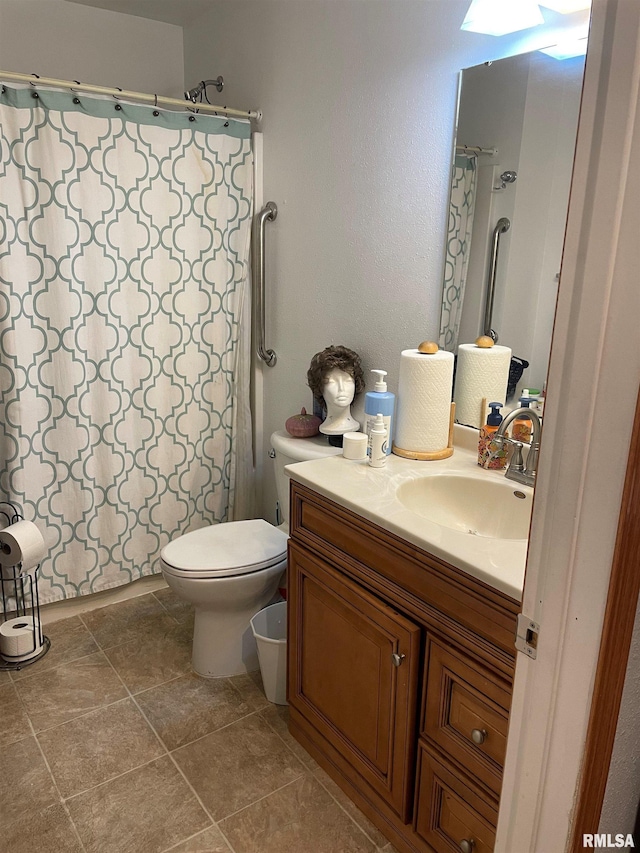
(230, 571)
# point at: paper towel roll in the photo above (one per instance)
(21, 542)
(18, 637)
(424, 401)
(480, 374)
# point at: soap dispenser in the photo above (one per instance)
(487, 458)
(379, 401)
(522, 426)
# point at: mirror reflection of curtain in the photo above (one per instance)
(461, 207)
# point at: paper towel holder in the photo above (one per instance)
(19, 598)
(431, 455)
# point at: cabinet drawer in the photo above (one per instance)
(466, 712)
(449, 811)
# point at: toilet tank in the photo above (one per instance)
(288, 450)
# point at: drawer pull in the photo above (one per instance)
(467, 845)
(478, 736)
(397, 659)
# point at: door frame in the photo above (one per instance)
(617, 633)
(589, 416)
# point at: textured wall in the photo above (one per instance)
(54, 38)
(359, 104)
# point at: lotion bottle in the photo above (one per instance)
(379, 400)
(378, 443)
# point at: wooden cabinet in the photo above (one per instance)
(355, 677)
(399, 677)
(450, 812)
(466, 712)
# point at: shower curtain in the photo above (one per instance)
(460, 226)
(124, 372)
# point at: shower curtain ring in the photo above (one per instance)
(37, 76)
(115, 96)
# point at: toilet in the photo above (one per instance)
(230, 571)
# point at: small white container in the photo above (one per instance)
(379, 434)
(269, 627)
(354, 445)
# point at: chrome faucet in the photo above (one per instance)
(516, 469)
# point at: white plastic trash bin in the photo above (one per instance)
(269, 628)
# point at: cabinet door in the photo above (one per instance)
(353, 672)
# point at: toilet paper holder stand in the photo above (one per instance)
(19, 600)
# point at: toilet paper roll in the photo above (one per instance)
(354, 445)
(20, 638)
(424, 401)
(21, 542)
(480, 374)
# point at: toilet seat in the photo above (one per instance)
(225, 550)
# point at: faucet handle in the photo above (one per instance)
(516, 463)
(532, 458)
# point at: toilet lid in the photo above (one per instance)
(231, 548)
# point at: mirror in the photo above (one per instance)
(515, 142)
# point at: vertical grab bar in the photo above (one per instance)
(502, 225)
(269, 211)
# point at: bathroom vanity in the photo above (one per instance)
(400, 662)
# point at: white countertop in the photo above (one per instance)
(371, 493)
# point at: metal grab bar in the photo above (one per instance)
(502, 225)
(269, 212)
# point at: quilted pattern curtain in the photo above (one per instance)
(124, 241)
(461, 207)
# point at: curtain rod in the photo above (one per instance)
(156, 100)
(475, 149)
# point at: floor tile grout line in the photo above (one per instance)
(43, 672)
(32, 674)
(130, 696)
(312, 772)
(196, 795)
(297, 758)
(166, 609)
(82, 716)
(178, 768)
(215, 731)
(340, 806)
(113, 778)
(124, 642)
(195, 835)
(55, 785)
(260, 799)
(162, 684)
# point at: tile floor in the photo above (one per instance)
(110, 744)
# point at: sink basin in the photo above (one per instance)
(496, 509)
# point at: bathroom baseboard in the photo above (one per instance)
(74, 606)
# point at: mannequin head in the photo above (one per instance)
(339, 359)
(335, 376)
